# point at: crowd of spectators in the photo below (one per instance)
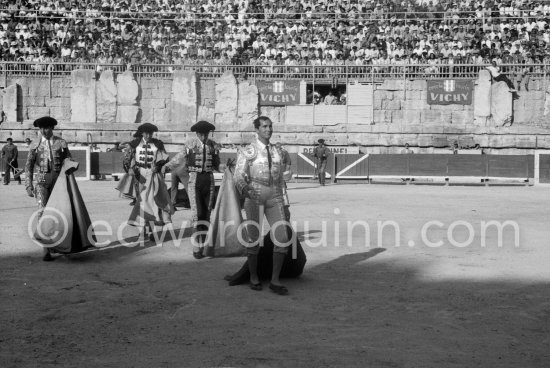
(270, 34)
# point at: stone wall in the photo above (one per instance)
(106, 108)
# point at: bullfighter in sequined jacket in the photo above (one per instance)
(202, 157)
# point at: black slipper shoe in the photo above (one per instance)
(256, 287)
(48, 257)
(278, 289)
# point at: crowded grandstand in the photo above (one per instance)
(269, 34)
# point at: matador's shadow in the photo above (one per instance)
(340, 267)
(132, 244)
(349, 260)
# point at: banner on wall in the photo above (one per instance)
(279, 92)
(450, 91)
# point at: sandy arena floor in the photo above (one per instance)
(363, 301)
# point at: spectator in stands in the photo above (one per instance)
(90, 32)
(316, 98)
(330, 99)
(523, 75)
(499, 77)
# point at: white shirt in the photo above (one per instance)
(48, 144)
(494, 71)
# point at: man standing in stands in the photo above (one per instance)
(321, 154)
(9, 155)
(259, 179)
(48, 156)
(202, 157)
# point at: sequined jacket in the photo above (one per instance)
(192, 156)
(252, 167)
(39, 162)
(136, 156)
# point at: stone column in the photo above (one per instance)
(127, 95)
(227, 94)
(106, 95)
(83, 97)
(10, 103)
(247, 104)
(482, 94)
(184, 99)
(501, 104)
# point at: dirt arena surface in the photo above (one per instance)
(363, 301)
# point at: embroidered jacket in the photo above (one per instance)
(145, 155)
(199, 157)
(253, 166)
(39, 158)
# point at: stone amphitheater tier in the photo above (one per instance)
(106, 108)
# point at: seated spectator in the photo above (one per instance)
(330, 99)
(499, 77)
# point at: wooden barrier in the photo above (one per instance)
(510, 166)
(427, 165)
(106, 163)
(305, 166)
(544, 171)
(467, 165)
(542, 167)
(388, 165)
(343, 167)
(352, 166)
(459, 168)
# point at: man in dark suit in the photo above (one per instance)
(9, 155)
(321, 154)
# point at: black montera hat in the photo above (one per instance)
(45, 122)
(202, 127)
(147, 128)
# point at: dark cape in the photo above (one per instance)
(65, 225)
(293, 265)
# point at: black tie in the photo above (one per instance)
(203, 157)
(51, 154)
(269, 162)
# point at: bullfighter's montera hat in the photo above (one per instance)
(202, 127)
(147, 128)
(45, 122)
